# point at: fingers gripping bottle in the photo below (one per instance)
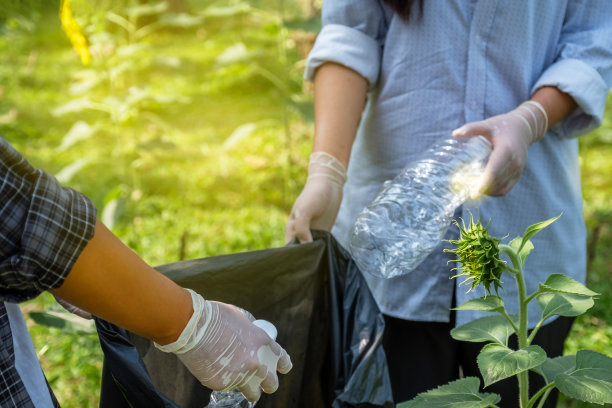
(234, 398)
(412, 212)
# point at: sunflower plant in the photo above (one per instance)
(585, 376)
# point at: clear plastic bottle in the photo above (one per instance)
(234, 398)
(412, 212)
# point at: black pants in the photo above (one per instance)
(423, 355)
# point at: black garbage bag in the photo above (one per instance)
(316, 297)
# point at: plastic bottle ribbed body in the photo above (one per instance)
(412, 212)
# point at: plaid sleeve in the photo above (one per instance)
(44, 227)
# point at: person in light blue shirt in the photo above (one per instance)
(391, 78)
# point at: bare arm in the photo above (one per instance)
(340, 95)
(557, 104)
(112, 282)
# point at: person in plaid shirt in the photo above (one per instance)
(51, 241)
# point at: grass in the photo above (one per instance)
(214, 171)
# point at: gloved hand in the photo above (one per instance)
(318, 204)
(511, 134)
(224, 350)
(72, 308)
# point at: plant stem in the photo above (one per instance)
(503, 313)
(534, 331)
(523, 378)
(544, 397)
(532, 296)
(544, 390)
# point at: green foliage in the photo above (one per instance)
(590, 379)
(463, 393)
(190, 133)
(484, 304)
(64, 321)
(493, 328)
(586, 377)
(497, 362)
(207, 152)
(563, 304)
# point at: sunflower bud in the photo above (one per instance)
(478, 253)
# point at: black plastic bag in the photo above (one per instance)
(316, 297)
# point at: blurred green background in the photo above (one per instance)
(190, 129)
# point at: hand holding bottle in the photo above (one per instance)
(511, 135)
(223, 349)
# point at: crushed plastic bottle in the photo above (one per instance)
(412, 212)
(234, 398)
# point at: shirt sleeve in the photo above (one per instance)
(353, 35)
(583, 66)
(44, 227)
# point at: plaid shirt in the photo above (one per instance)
(44, 227)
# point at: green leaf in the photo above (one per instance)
(563, 304)
(74, 106)
(238, 136)
(66, 173)
(181, 20)
(64, 321)
(81, 130)
(233, 55)
(590, 381)
(147, 9)
(226, 11)
(552, 367)
(561, 283)
(120, 21)
(522, 252)
(489, 328)
(486, 304)
(463, 393)
(113, 207)
(534, 229)
(497, 362)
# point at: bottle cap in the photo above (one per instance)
(267, 327)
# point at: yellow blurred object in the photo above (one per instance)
(74, 33)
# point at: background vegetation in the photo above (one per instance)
(190, 130)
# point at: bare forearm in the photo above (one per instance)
(556, 103)
(112, 282)
(340, 95)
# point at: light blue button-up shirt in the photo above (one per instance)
(465, 61)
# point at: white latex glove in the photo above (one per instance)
(511, 134)
(317, 205)
(224, 350)
(72, 308)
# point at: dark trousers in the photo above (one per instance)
(423, 355)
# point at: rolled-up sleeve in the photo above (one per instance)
(583, 67)
(353, 35)
(44, 227)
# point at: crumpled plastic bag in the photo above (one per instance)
(316, 297)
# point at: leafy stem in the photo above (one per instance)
(521, 333)
(532, 296)
(514, 326)
(544, 391)
(535, 331)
